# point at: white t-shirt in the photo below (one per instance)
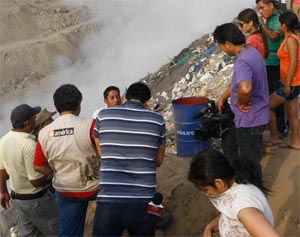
(235, 199)
(96, 112)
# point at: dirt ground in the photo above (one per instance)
(191, 210)
(26, 56)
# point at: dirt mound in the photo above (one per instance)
(189, 208)
(45, 36)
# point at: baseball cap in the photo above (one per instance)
(23, 113)
(42, 116)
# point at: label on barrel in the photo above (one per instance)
(186, 133)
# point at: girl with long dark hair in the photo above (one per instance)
(249, 24)
(289, 90)
(236, 192)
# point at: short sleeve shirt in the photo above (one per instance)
(17, 151)
(257, 42)
(273, 24)
(235, 199)
(129, 138)
(249, 66)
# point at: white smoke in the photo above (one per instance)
(136, 37)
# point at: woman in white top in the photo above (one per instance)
(236, 193)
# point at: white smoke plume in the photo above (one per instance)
(136, 37)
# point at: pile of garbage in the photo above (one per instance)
(201, 70)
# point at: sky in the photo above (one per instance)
(136, 37)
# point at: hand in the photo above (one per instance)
(5, 198)
(245, 107)
(208, 231)
(286, 90)
(261, 20)
(220, 104)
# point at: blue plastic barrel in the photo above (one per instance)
(184, 111)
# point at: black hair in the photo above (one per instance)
(138, 91)
(248, 15)
(275, 3)
(208, 165)
(228, 32)
(18, 126)
(290, 19)
(109, 89)
(67, 98)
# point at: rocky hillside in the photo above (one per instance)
(42, 31)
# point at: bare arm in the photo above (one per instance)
(222, 98)
(244, 95)
(256, 223)
(45, 169)
(292, 48)
(41, 182)
(271, 34)
(4, 195)
(98, 147)
(212, 227)
(160, 155)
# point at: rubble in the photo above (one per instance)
(198, 70)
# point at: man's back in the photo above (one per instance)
(65, 150)
(16, 156)
(28, 188)
(129, 137)
(70, 152)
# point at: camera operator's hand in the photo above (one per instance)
(220, 102)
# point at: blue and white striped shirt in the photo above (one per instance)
(129, 138)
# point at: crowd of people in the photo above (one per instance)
(55, 167)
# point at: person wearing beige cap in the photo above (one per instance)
(42, 119)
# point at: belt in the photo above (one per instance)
(18, 196)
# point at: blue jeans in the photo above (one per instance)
(72, 212)
(112, 218)
(245, 143)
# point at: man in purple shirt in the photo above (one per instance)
(249, 97)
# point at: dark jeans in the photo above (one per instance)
(72, 212)
(274, 83)
(245, 143)
(112, 218)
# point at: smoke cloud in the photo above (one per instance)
(135, 38)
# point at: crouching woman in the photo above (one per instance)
(236, 193)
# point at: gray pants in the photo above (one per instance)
(37, 217)
(3, 226)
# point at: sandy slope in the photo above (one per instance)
(42, 31)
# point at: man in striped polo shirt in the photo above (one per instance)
(132, 142)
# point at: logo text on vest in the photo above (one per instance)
(61, 132)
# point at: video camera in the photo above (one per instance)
(213, 123)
